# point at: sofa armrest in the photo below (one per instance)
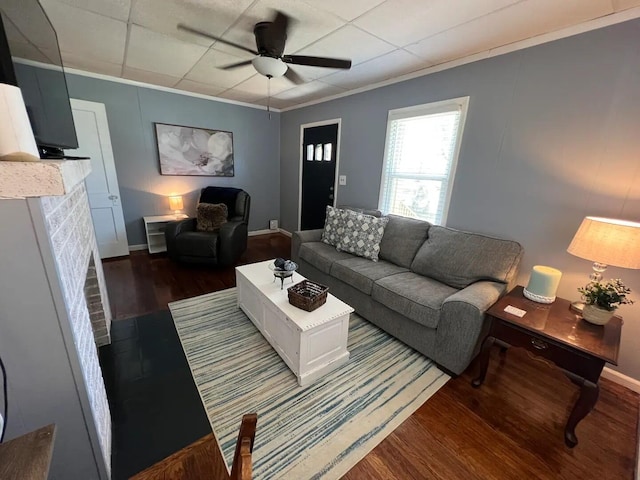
(462, 323)
(173, 229)
(303, 236)
(232, 242)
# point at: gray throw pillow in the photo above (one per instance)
(362, 234)
(210, 216)
(333, 226)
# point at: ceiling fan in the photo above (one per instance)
(270, 59)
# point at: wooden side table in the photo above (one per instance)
(558, 334)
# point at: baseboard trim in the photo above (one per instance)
(284, 232)
(255, 233)
(134, 248)
(621, 379)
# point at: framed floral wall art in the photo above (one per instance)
(194, 151)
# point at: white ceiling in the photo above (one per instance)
(138, 39)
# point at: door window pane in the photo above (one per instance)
(310, 150)
(327, 152)
(318, 152)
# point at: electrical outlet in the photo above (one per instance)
(342, 180)
(273, 224)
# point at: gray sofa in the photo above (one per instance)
(430, 288)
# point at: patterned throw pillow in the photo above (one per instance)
(333, 226)
(210, 216)
(362, 234)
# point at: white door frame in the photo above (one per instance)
(301, 166)
(102, 124)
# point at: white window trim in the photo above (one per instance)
(428, 109)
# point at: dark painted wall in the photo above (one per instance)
(551, 136)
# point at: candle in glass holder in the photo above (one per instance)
(543, 284)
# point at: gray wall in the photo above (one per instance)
(131, 112)
(552, 135)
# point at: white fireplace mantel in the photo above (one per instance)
(41, 179)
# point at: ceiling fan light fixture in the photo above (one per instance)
(269, 66)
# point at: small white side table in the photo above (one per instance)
(154, 226)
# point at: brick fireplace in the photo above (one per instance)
(55, 312)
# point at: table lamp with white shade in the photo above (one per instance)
(175, 204)
(606, 241)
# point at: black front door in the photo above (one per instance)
(319, 152)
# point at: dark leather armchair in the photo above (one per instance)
(222, 248)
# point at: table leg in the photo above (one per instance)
(485, 353)
(588, 397)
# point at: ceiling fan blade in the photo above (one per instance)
(235, 65)
(293, 76)
(317, 61)
(280, 25)
(217, 39)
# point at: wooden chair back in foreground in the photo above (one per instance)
(242, 465)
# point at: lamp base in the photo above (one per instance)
(538, 298)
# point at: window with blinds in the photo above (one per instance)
(421, 152)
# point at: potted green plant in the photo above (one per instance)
(602, 299)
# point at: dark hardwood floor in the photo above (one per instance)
(511, 427)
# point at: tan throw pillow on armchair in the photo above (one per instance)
(210, 216)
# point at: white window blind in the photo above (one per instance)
(421, 153)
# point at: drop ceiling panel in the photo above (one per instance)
(82, 62)
(309, 91)
(620, 5)
(203, 88)
(88, 34)
(524, 20)
(406, 21)
(206, 70)
(390, 65)
(308, 24)
(258, 85)
(351, 43)
(159, 53)
(242, 96)
(346, 9)
(149, 77)
(163, 16)
(118, 9)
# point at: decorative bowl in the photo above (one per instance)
(282, 274)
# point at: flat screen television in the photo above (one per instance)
(26, 33)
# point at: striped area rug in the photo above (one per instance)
(316, 432)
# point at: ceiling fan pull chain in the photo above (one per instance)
(269, 97)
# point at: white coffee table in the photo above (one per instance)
(311, 343)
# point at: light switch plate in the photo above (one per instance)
(342, 180)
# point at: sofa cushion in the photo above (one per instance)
(210, 216)
(460, 258)
(414, 296)
(362, 234)
(198, 244)
(333, 226)
(402, 238)
(360, 273)
(321, 255)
